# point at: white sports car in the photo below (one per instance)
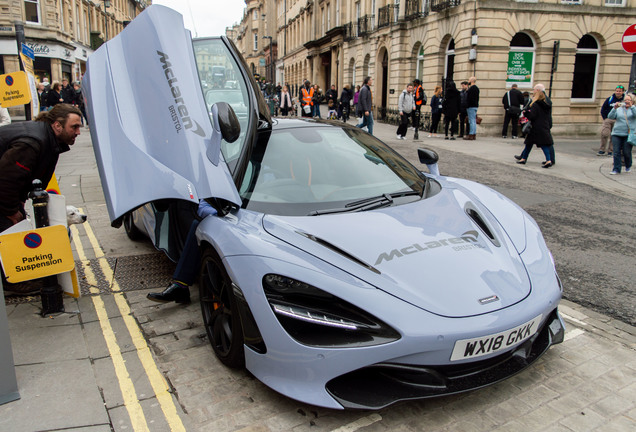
(335, 271)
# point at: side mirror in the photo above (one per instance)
(429, 158)
(227, 121)
(225, 125)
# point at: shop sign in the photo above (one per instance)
(51, 51)
(520, 67)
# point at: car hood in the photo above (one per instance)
(446, 254)
(150, 128)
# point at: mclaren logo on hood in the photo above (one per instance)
(179, 106)
(468, 240)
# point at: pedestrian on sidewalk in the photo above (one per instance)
(406, 106)
(450, 108)
(29, 151)
(436, 110)
(624, 114)
(513, 104)
(366, 105)
(540, 115)
(473, 105)
(608, 123)
(345, 102)
(420, 101)
(463, 113)
(188, 265)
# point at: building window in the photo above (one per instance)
(255, 14)
(578, 2)
(328, 16)
(419, 73)
(449, 68)
(62, 19)
(615, 3)
(32, 11)
(585, 69)
(520, 61)
(255, 41)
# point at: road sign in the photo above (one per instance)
(629, 39)
(14, 89)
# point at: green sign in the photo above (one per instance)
(519, 67)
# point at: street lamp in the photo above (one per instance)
(271, 59)
(106, 6)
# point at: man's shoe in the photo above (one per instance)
(609, 153)
(452, 138)
(517, 157)
(614, 173)
(398, 136)
(504, 136)
(600, 153)
(175, 292)
(514, 137)
(628, 169)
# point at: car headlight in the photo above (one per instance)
(314, 317)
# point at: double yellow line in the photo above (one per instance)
(157, 381)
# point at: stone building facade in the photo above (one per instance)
(573, 47)
(62, 33)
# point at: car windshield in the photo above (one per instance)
(327, 169)
(221, 82)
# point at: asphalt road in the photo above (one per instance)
(590, 232)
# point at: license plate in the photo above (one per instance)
(481, 346)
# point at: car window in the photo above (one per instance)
(312, 168)
(221, 82)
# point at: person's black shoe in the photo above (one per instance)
(175, 292)
(517, 157)
(522, 161)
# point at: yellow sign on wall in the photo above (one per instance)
(14, 89)
(34, 254)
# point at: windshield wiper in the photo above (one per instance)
(366, 204)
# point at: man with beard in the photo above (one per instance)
(30, 150)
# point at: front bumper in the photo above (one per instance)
(382, 384)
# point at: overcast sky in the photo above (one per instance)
(207, 17)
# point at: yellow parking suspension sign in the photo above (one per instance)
(34, 254)
(14, 89)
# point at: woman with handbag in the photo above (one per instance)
(624, 133)
(539, 113)
(285, 101)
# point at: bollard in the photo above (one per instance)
(51, 291)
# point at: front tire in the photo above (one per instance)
(131, 229)
(220, 311)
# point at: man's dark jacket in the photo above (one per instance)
(609, 104)
(364, 100)
(28, 151)
(472, 96)
(516, 99)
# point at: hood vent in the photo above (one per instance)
(481, 223)
(338, 250)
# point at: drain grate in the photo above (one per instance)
(131, 273)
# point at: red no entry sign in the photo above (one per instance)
(629, 39)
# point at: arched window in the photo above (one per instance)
(585, 69)
(449, 67)
(520, 69)
(419, 73)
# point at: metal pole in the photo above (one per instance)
(632, 75)
(555, 62)
(51, 291)
(20, 39)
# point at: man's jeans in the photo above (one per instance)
(368, 122)
(472, 120)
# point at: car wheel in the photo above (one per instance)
(220, 311)
(132, 231)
